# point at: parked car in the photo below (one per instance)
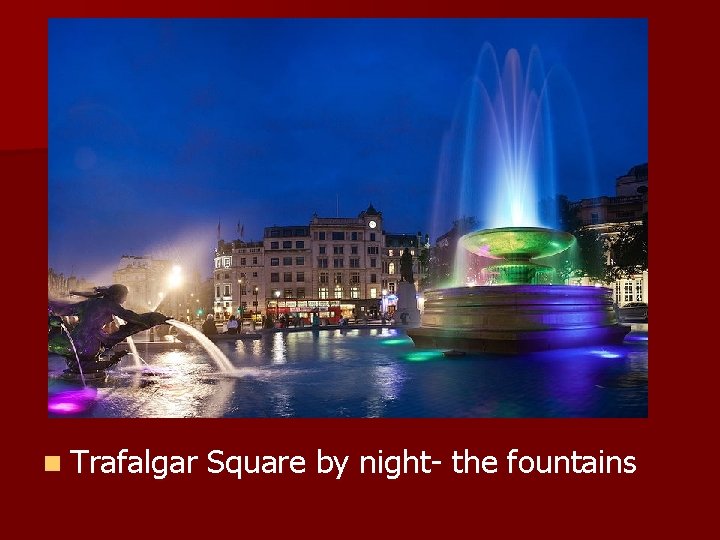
(633, 312)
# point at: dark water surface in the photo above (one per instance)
(358, 373)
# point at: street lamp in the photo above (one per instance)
(277, 304)
(175, 280)
(240, 309)
(384, 301)
(255, 292)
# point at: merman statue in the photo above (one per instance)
(90, 340)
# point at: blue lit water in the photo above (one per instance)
(359, 373)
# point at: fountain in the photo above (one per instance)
(506, 162)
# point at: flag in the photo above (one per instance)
(242, 231)
(218, 228)
(238, 228)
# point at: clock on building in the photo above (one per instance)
(372, 224)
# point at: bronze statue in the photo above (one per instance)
(406, 267)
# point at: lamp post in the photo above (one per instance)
(277, 305)
(240, 309)
(384, 301)
(255, 292)
(175, 280)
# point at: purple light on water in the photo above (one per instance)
(606, 354)
(72, 401)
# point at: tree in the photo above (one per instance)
(629, 251)
(591, 255)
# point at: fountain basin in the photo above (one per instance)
(517, 243)
(514, 319)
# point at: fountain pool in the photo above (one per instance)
(361, 373)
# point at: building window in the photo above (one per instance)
(355, 292)
(373, 262)
(373, 292)
(300, 244)
(227, 276)
(355, 263)
(628, 291)
(322, 262)
(338, 291)
(337, 250)
(354, 236)
(300, 277)
(301, 292)
(391, 268)
(372, 236)
(274, 233)
(618, 294)
(287, 261)
(638, 290)
(287, 244)
(242, 261)
(274, 245)
(323, 293)
(287, 277)
(324, 277)
(275, 277)
(243, 290)
(226, 262)
(322, 250)
(355, 277)
(373, 278)
(254, 274)
(226, 290)
(254, 260)
(353, 250)
(373, 250)
(274, 261)
(391, 253)
(288, 293)
(217, 291)
(338, 279)
(338, 236)
(321, 235)
(391, 287)
(217, 263)
(337, 263)
(594, 218)
(299, 261)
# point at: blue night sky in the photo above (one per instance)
(160, 128)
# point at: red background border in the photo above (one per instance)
(453, 503)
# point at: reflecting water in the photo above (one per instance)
(361, 373)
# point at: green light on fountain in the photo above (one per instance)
(423, 356)
(517, 250)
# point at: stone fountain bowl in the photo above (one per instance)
(517, 243)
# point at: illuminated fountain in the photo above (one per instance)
(505, 167)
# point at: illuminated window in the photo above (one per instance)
(355, 292)
(323, 293)
(391, 268)
(373, 292)
(338, 291)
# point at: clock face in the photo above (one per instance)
(372, 224)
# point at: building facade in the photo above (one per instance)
(335, 267)
(609, 216)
